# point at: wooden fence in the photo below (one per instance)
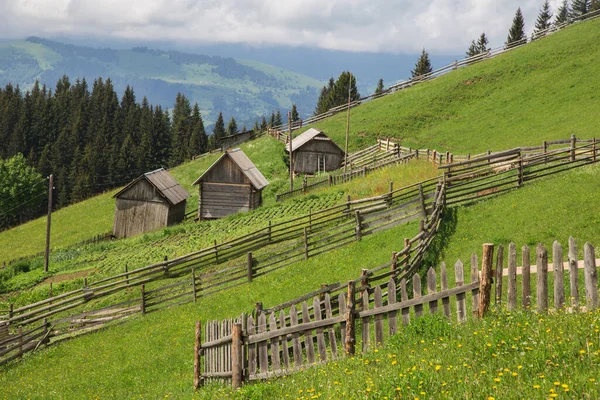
(438, 72)
(327, 327)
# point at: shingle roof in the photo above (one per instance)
(244, 164)
(306, 137)
(164, 183)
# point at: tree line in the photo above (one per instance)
(91, 141)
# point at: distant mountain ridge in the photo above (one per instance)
(243, 89)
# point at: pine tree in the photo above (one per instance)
(256, 126)
(272, 120)
(423, 65)
(278, 121)
(263, 124)
(379, 88)
(482, 43)
(182, 128)
(218, 132)
(198, 139)
(516, 34)
(580, 8)
(543, 19)
(295, 115)
(562, 15)
(324, 101)
(232, 128)
(473, 50)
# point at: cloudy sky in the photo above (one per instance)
(395, 26)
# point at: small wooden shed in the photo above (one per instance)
(152, 201)
(313, 152)
(232, 184)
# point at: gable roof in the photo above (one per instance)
(242, 161)
(307, 136)
(164, 183)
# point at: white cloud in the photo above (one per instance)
(441, 26)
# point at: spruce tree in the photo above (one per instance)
(482, 43)
(562, 14)
(295, 115)
(218, 131)
(379, 88)
(543, 19)
(232, 128)
(272, 120)
(516, 34)
(278, 120)
(423, 65)
(473, 50)
(182, 128)
(263, 124)
(198, 140)
(580, 8)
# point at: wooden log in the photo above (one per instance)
(237, 360)
(305, 244)
(194, 284)
(263, 351)
(573, 144)
(330, 331)
(573, 272)
(526, 276)
(391, 290)
(559, 280)
(320, 331)
(445, 300)
(499, 273)
(417, 294)
(296, 346)
(591, 277)
(308, 337)
(197, 346)
(542, 278)
(422, 201)
(404, 297)
(485, 285)
(365, 321)
(143, 303)
(461, 305)
(512, 276)
(378, 318)
(250, 266)
(350, 333)
(474, 292)
(431, 289)
(358, 226)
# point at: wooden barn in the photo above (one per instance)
(314, 152)
(152, 201)
(231, 185)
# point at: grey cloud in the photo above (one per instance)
(441, 26)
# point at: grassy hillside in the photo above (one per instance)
(240, 88)
(541, 91)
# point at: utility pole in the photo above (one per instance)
(291, 156)
(347, 122)
(50, 187)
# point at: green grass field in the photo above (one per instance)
(542, 91)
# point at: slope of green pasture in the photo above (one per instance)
(553, 208)
(542, 91)
(152, 357)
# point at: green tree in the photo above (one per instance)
(294, 112)
(478, 47)
(218, 132)
(278, 120)
(563, 13)
(423, 65)
(232, 128)
(516, 34)
(580, 7)
(22, 190)
(182, 127)
(543, 20)
(324, 100)
(379, 88)
(263, 124)
(198, 140)
(338, 95)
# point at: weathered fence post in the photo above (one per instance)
(20, 333)
(520, 182)
(573, 272)
(237, 362)
(216, 251)
(350, 338)
(485, 285)
(542, 278)
(512, 276)
(358, 226)
(591, 276)
(393, 266)
(422, 201)
(573, 144)
(197, 349)
(526, 280)
(269, 230)
(499, 273)
(250, 266)
(593, 149)
(143, 303)
(559, 283)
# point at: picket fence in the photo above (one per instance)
(313, 331)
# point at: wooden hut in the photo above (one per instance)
(232, 184)
(313, 152)
(150, 202)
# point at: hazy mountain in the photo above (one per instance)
(244, 89)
